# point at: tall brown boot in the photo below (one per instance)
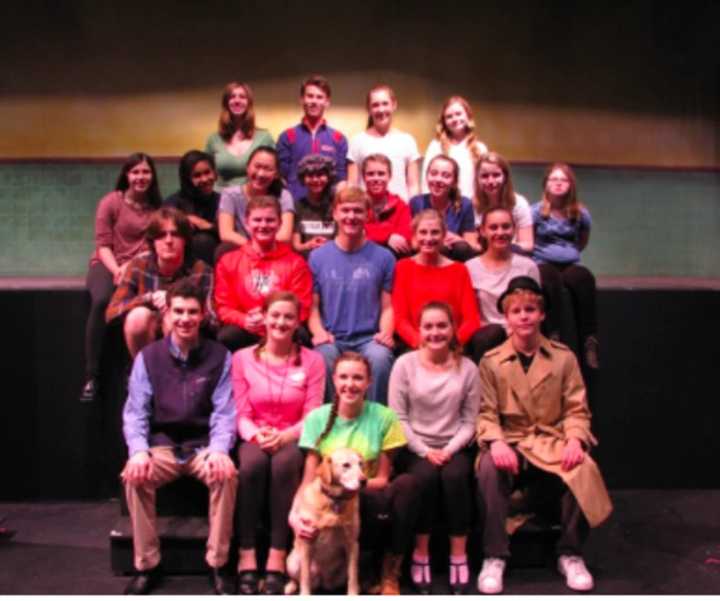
(390, 581)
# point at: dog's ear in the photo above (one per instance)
(325, 471)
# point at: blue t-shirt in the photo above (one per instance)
(350, 285)
(457, 221)
(556, 240)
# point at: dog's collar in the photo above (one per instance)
(337, 494)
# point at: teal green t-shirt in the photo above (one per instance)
(375, 430)
(232, 169)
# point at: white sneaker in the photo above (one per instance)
(490, 579)
(576, 574)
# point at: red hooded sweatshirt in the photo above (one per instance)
(244, 277)
(394, 219)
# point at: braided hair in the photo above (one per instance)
(346, 356)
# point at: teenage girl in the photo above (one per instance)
(562, 231)
(275, 383)
(381, 137)
(494, 188)
(455, 137)
(122, 217)
(237, 135)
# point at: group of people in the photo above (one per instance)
(304, 296)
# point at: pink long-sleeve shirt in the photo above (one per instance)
(276, 395)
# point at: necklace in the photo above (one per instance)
(275, 400)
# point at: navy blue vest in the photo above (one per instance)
(182, 393)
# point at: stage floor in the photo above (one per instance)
(657, 542)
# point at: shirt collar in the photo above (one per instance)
(304, 123)
(176, 353)
(508, 352)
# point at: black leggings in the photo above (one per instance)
(100, 284)
(204, 244)
(487, 337)
(460, 251)
(452, 480)
(263, 476)
(580, 282)
(396, 503)
(235, 337)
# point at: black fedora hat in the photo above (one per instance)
(522, 282)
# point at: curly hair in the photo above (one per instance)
(442, 134)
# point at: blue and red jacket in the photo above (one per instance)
(296, 142)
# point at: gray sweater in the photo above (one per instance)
(437, 410)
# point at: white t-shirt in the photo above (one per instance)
(522, 216)
(461, 153)
(489, 284)
(398, 146)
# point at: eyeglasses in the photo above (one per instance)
(558, 179)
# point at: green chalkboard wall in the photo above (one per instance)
(645, 222)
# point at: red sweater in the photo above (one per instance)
(394, 219)
(416, 285)
(244, 277)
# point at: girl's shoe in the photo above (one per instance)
(421, 576)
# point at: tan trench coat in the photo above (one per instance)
(537, 412)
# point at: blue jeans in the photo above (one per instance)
(380, 357)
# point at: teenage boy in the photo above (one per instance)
(140, 298)
(534, 431)
(311, 136)
(352, 285)
(179, 419)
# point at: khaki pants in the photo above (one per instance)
(141, 504)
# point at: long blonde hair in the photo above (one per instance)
(442, 134)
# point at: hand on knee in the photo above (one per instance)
(138, 469)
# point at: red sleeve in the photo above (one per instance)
(397, 223)
(402, 220)
(227, 303)
(301, 285)
(401, 299)
(378, 231)
(469, 314)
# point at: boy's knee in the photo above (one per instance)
(139, 320)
